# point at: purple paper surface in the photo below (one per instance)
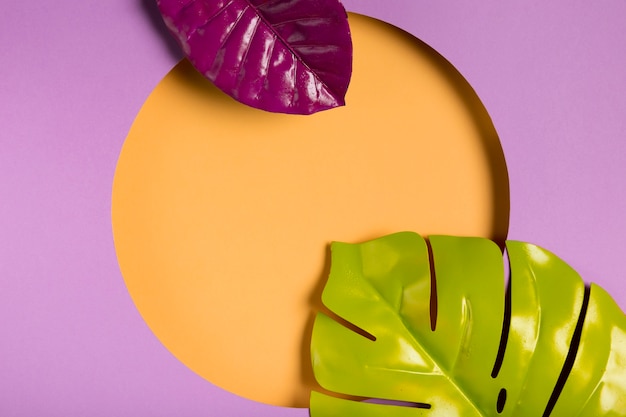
(75, 74)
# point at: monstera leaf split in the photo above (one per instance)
(433, 328)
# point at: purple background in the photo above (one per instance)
(75, 73)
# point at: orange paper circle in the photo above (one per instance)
(222, 214)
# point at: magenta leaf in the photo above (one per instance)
(287, 56)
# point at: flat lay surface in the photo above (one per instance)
(75, 76)
(222, 214)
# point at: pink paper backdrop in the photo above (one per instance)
(75, 74)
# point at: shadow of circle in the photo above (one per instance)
(222, 213)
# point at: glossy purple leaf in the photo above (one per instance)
(287, 56)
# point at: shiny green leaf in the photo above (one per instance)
(434, 329)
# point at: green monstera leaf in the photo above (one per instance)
(434, 329)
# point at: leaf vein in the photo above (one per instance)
(244, 59)
(211, 18)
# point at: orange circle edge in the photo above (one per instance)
(222, 214)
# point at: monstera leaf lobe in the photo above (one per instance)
(434, 329)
